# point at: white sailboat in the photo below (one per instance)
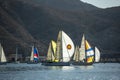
(97, 55)
(86, 54)
(64, 50)
(34, 56)
(3, 59)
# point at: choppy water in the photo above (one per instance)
(22, 71)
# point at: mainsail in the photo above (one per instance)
(82, 49)
(32, 52)
(89, 52)
(76, 54)
(2, 55)
(97, 55)
(58, 56)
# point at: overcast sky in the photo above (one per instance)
(103, 3)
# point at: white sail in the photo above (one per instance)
(64, 47)
(2, 55)
(97, 55)
(82, 49)
(58, 54)
(76, 54)
(67, 47)
(32, 54)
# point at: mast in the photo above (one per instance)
(16, 54)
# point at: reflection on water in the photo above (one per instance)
(23, 71)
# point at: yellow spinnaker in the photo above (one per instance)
(54, 46)
(89, 52)
(87, 45)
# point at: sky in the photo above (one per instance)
(103, 3)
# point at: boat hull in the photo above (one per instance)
(81, 64)
(3, 63)
(56, 64)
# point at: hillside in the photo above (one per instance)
(38, 21)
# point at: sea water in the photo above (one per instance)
(23, 71)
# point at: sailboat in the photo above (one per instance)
(51, 53)
(64, 50)
(3, 59)
(85, 54)
(97, 55)
(34, 56)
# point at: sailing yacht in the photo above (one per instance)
(3, 59)
(85, 54)
(64, 50)
(34, 56)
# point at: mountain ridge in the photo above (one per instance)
(36, 23)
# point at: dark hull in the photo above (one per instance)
(3, 63)
(32, 62)
(56, 64)
(81, 64)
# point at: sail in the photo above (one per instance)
(32, 52)
(51, 51)
(58, 56)
(76, 54)
(67, 47)
(82, 49)
(35, 54)
(89, 52)
(53, 46)
(97, 55)
(2, 55)
(64, 47)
